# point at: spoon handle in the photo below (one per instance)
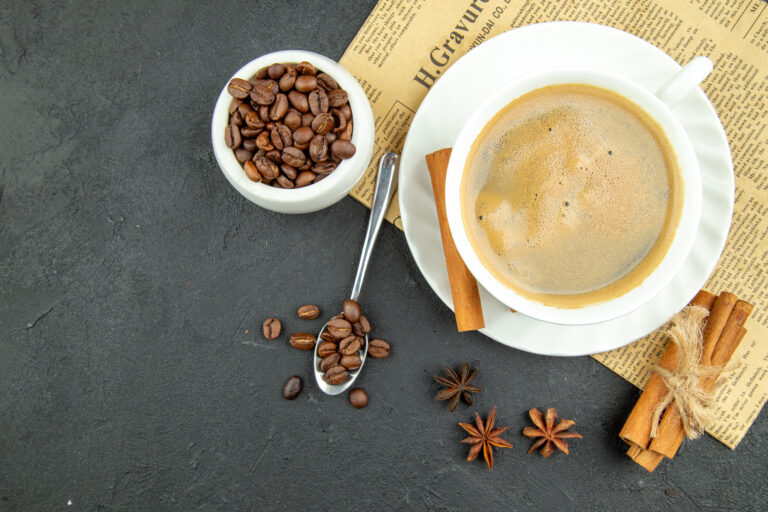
(385, 188)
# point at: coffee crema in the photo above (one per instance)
(571, 195)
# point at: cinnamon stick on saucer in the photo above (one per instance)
(466, 296)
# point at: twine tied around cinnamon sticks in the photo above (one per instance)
(695, 405)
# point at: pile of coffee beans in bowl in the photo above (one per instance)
(290, 125)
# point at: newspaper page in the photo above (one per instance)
(392, 58)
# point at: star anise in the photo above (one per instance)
(549, 434)
(457, 386)
(484, 437)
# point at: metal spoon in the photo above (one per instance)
(385, 187)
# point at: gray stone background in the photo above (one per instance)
(134, 279)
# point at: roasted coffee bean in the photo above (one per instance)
(275, 71)
(339, 121)
(365, 324)
(347, 111)
(336, 375)
(324, 168)
(303, 135)
(305, 83)
(279, 107)
(263, 111)
(232, 137)
(337, 98)
(293, 156)
(243, 155)
(343, 149)
(378, 349)
(347, 133)
(351, 310)
(263, 142)
(289, 171)
(306, 119)
(318, 149)
(244, 109)
(249, 144)
(286, 81)
(234, 105)
(358, 398)
(352, 362)
(326, 81)
(262, 73)
(330, 361)
(305, 178)
(307, 165)
(271, 328)
(330, 137)
(349, 345)
(239, 88)
(292, 120)
(303, 340)
(320, 177)
(326, 348)
(339, 327)
(251, 171)
(285, 182)
(267, 168)
(268, 83)
(250, 133)
(274, 156)
(285, 135)
(292, 387)
(305, 68)
(322, 123)
(318, 102)
(308, 312)
(277, 141)
(236, 119)
(262, 95)
(327, 336)
(298, 101)
(269, 126)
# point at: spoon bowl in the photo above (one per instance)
(335, 389)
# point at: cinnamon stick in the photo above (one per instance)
(637, 429)
(671, 433)
(466, 296)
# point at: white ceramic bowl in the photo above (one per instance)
(318, 195)
(684, 235)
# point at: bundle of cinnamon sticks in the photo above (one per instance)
(722, 333)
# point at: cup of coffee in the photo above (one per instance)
(574, 194)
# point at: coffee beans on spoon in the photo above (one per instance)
(290, 125)
(343, 341)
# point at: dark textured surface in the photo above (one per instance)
(134, 279)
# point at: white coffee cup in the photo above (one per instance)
(658, 106)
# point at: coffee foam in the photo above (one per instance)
(567, 192)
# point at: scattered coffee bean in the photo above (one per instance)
(378, 349)
(280, 112)
(292, 387)
(303, 340)
(308, 312)
(358, 398)
(336, 375)
(271, 328)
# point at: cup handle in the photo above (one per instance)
(677, 87)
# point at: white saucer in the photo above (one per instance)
(505, 57)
